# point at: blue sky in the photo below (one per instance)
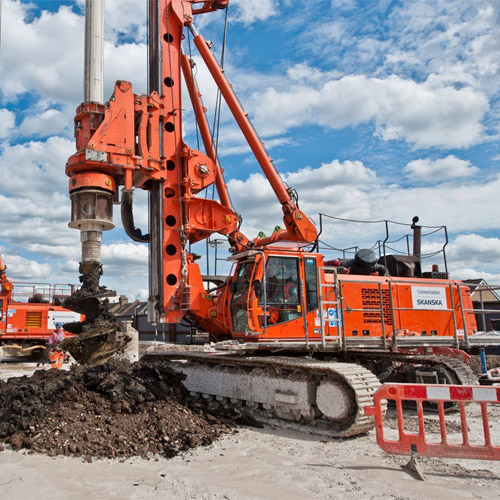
(370, 109)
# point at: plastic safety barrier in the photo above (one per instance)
(417, 444)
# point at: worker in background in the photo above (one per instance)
(56, 356)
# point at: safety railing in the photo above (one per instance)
(391, 330)
(451, 310)
(420, 443)
(484, 297)
(41, 292)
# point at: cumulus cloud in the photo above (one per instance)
(419, 113)
(475, 250)
(39, 56)
(43, 56)
(7, 122)
(335, 188)
(35, 166)
(441, 169)
(46, 123)
(22, 269)
(249, 11)
(351, 190)
(473, 256)
(125, 259)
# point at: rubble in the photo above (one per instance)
(116, 409)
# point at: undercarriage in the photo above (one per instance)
(324, 396)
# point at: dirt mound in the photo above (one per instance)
(116, 409)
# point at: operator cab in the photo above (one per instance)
(269, 292)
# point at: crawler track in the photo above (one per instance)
(320, 396)
(455, 370)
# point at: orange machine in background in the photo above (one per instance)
(28, 314)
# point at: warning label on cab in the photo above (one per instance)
(429, 297)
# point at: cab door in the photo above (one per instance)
(241, 295)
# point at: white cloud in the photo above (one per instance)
(7, 122)
(44, 57)
(20, 268)
(335, 188)
(473, 256)
(41, 56)
(419, 113)
(462, 206)
(125, 258)
(351, 190)
(442, 169)
(249, 11)
(35, 166)
(475, 250)
(450, 38)
(46, 123)
(468, 273)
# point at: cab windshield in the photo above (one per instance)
(282, 290)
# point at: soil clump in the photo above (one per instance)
(96, 339)
(116, 409)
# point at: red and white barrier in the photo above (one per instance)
(416, 444)
(453, 393)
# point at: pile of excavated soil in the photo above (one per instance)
(491, 362)
(116, 409)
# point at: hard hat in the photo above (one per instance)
(58, 324)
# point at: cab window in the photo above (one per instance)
(282, 290)
(311, 284)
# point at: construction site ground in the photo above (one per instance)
(268, 463)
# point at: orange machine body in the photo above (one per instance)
(298, 293)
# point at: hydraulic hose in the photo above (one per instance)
(128, 218)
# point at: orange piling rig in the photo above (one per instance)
(282, 295)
